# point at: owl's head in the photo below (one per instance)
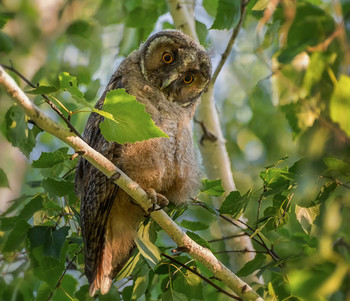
(175, 64)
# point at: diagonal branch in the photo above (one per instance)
(203, 255)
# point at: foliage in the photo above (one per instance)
(285, 90)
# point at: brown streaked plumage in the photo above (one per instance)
(167, 73)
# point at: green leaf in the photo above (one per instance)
(130, 266)
(50, 159)
(52, 240)
(130, 122)
(34, 205)
(227, 15)
(326, 191)
(18, 132)
(16, 237)
(4, 17)
(57, 187)
(140, 284)
(307, 216)
(190, 284)
(80, 28)
(171, 295)
(193, 226)
(148, 250)
(6, 44)
(235, 204)
(70, 83)
(42, 90)
(340, 104)
(251, 266)
(337, 165)
(4, 182)
(210, 6)
(320, 26)
(45, 268)
(67, 289)
(43, 292)
(260, 4)
(212, 187)
(199, 240)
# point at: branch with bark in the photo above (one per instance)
(198, 252)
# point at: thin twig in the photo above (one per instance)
(47, 100)
(202, 277)
(262, 243)
(64, 272)
(229, 46)
(260, 200)
(228, 237)
(241, 251)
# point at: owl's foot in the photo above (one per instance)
(157, 199)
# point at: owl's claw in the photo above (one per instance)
(157, 199)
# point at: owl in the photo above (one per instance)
(167, 74)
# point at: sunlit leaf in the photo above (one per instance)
(260, 5)
(307, 216)
(130, 121)
(147, 249)
(340, 104)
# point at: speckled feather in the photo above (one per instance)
(109, 219)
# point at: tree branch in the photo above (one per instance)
(47, 100)
(198, 252)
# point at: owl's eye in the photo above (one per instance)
(188, 79)
(167, 57)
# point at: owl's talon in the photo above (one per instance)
(157, 199)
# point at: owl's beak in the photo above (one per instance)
(168, 80)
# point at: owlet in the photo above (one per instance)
(167, 74)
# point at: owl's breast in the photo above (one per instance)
(167, 165)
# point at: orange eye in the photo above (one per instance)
(188, 79)
(167, 57)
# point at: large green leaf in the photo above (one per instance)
(18, 132)
(235, 204)
(227, 15)
(130, 121)
(52, 240)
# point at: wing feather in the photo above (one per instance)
(97, 193)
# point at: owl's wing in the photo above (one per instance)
(97, 192)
